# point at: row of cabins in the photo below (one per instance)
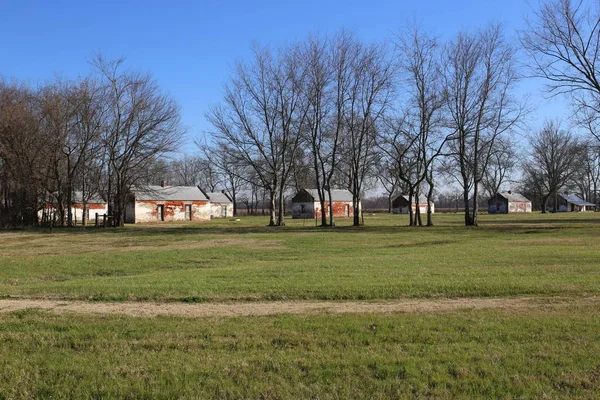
(153, 204)
(509, 202)
(191, 203)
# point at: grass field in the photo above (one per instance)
(546, 350)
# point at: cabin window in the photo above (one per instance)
(160, 212)
(303, 208)
(188, 212)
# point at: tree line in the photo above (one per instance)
(98, 135)
(409, 115)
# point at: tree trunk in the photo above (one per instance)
(331, 216)
(272, 205)
(281, 209)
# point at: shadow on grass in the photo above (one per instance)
(490, 224)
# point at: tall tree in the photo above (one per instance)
(261, 117)
(143, 125)
(553, 161)
(420, 67)
(369, 96)
(563, 41)
(479, 77)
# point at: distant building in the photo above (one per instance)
(573, 203)
(94, 204)
(167, 203)
(508, 202)
(306, 204)
(401, 203)
(221, 205)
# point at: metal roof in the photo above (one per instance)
(511, 196)
(336, 194)
(574, 199)
(218, 197)
(172, 193)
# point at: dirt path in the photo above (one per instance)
(147, 309)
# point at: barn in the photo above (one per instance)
(508, 202)
(221, 205)
(573, 203)
(167, 203)
(94, 204)
(401, 203)
(306, 204)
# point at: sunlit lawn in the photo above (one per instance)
(245, 260)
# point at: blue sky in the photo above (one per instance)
(190, 46)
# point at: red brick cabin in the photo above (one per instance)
(167, 204)
(306, 204)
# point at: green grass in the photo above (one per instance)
(461, 354)
(547, 350)
(223, 260)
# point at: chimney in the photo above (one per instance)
(163, 183)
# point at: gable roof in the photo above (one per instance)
(514, 197)
(574, 199)
(336, 194)
(218, 197)
(173, 193)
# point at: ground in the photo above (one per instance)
(235, 309)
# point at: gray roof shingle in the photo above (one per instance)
(514, 197)
(336, 194)
(218, 197)
(169, 193)
(574, 199)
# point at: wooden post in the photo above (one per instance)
(96, 219)
(104, 220)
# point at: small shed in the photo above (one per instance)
(167, 203)
(508, 202)
(573, 203)
(401, 203)
(306, 204)
(221, 205)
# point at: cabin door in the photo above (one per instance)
(347, 210)
(188, 212)
(160, 212)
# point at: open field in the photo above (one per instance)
(238, 310)
(225, 260)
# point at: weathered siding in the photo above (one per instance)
(341, 209)
(221, 210)
(147, 211)
(519, 207)
(500, 205)
(77, 212)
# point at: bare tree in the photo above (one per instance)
(479, 77)
(369, 94)
(23, 154)
(553, 161)
(420, 68)
(143, 125)
(232, 173)
(327, 89)
(502, 163)
(563, 40)
(261, 117)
